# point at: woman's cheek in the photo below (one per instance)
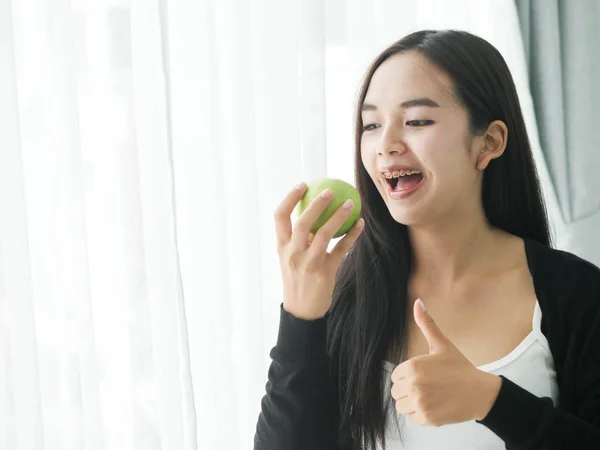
(368, 150)
(367, 140)
(367, 159)
(429, 144)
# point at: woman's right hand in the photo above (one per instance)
(308, 270)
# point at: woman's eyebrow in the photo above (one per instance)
(405, 105)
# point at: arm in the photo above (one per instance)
(299, 409)
(525, 421)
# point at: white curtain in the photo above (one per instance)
(144, 146)
(93, 337)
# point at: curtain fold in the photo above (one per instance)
(562, 44)
(94, 349)
(20, 411)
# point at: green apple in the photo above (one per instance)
(342, 191)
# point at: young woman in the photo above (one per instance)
(444, 320)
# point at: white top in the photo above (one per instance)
(530, 365)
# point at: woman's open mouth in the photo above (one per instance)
(402, 184)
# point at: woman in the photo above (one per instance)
(506, 353)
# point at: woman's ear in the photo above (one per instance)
(492, 144)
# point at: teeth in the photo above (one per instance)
(400, 173)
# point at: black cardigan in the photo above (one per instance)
(299, 408)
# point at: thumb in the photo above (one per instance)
(435, 338)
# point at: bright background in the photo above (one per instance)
(144, 146)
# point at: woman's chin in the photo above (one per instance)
(410, 218)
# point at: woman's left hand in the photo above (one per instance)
(443, 387)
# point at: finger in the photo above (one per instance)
(283, 222)
(329, 228)
(400, 389)
(401, 371)
(435, 338)
(418, 418)
(310, 215)
(404, 406)
(345, 244)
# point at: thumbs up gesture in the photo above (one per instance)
(442, 387)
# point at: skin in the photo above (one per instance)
(452, 243)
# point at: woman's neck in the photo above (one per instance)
(448, 253)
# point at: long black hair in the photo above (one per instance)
(368, 315)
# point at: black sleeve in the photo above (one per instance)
(299, 409)
(526, 422)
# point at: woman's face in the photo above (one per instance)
(411, 119)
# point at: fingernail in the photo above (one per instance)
(327, 193)
(422, 305)
(360, 223)
(348, 204)
(300, 186)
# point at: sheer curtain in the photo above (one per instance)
(145, 145)
(93, 333)
(559, 41)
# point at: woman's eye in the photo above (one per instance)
(419, 123)
(370, 127)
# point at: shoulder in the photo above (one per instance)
(567, 286)
(561, 269)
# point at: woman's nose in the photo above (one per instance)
(392, 137)
(395, 147)
(391, 143)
